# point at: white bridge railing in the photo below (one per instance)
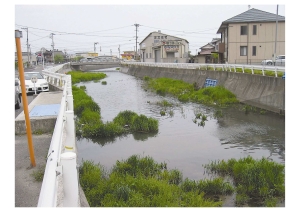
(60, 182)
(212, 67)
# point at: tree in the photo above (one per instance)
(215, 57)
(58, 58)
(78, 58)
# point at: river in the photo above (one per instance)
(180, 142)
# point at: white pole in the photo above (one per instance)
(70, 180)
(70, 131)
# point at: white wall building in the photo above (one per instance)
(163, 48)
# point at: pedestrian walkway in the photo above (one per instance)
(44, 110)
(27, 189)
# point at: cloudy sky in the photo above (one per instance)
(77, 28)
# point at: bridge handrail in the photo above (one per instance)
(224, 67)
(54, 78)
(57, 171)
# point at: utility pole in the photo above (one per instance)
(110, 52)
(18, 35)
(43, 56)
(119, 52)
(95, 46)
(276, 36)
(136, 37)
(51, 36)
(27, 46)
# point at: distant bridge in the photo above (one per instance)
(89, 66)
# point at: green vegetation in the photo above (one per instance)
(79, 76)
(88, 122)
(58, 58)
(188, 92)
(142, 182)
(104, 83)
(39, 174)
(259, 180)
(165, 103)
(83, 87)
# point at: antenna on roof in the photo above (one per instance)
(249, 7)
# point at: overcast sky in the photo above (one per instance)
(77, 27)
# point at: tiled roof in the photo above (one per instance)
(206, 52)
(254, 15)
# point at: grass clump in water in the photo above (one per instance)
(88, 119)
(143, 182)
(79, 76)
(259, 180)
(187, 92)
(104, 83)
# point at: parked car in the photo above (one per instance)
(279, 61)
(41, 85)
(17, 95)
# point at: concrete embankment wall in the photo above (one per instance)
(93, 67)
(260, 91)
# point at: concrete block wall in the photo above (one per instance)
(260, 91)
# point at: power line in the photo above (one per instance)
(84, 33)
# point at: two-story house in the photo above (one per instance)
(163, 48)
(210, 53)
(250, 37)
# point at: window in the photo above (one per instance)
(243, 50)
(253, 50)
(166, 37)
(149, 55)
(243, 30)
(154, 37)
(254, 29)
(146, 55)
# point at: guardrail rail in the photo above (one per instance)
(212, 67)
(60, 182)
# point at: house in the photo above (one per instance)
(163, 48)
(48, 56)
(27, 58)
(210, 53)
(249, 37)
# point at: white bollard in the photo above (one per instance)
(70, 180)
(70, 131)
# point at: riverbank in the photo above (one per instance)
(264, 92)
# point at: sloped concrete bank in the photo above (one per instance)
(256, 90)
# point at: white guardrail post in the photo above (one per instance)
(61, 166)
